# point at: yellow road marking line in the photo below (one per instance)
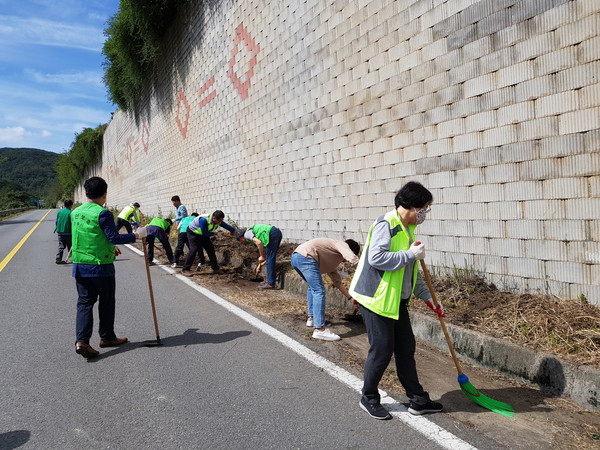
(14, 251)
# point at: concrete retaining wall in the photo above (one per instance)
(580, 383)
(310, 115)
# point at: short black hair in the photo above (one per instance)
(95, 187)
(240, 233)
(354, 246)
(194, 214)
(136, 204)
(68, 203)
(175, 198)
(218, 214)
(413, 195)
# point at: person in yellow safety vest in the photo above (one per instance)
(199, 233)
(267, 239)
(386, 278)
(159, 229)
(93, 253)
(136, 218)
(126, 214)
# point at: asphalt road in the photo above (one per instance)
(218, 382)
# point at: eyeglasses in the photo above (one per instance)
(423, 210)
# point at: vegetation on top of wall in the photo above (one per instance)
(85, 152)
(132, 47)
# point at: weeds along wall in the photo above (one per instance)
(310, 115)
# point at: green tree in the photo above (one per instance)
(133, 46)
(85, 152)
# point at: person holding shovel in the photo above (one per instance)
(94, 238)
(385, 280)
(199, 232)
(159, 228)
(314, 258)
(63, 229)
(129, 212)
(267, 239)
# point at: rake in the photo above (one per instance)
(493, 405)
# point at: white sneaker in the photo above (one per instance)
(174, 265)
(310, 322)
(325, 335)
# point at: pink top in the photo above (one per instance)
(328, 253)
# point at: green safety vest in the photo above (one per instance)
(160, 223)
(377, 290)
(90, 244)
(261, 232)
(211, 226)
(185, 223)
(63, 221)
(126, 212)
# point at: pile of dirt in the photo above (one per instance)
(568, 328)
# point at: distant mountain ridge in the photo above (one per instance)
(30, 169)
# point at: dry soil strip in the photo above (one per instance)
(424, 426)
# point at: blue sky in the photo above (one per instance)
(51, 71)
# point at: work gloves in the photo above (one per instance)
(418, 250)
(141, 232)
(439, 310)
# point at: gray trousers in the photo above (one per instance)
(64, 244)
(389, 337)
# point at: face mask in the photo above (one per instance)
(421, 215)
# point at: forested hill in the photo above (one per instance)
(31, 170)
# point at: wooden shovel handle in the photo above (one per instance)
(150, 289)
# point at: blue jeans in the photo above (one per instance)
(271, 250)
(310, 272)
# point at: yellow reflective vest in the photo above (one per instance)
(378, 290)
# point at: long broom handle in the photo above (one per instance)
(150, 288)
(442, 322)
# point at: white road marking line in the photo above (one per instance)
(421, 424)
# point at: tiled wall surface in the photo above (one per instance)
(310, 115)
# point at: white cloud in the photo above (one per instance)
(78, 78)
(46, 133)
(44, 32)
(12, 134)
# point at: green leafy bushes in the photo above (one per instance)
(85, 152)
(133, 46)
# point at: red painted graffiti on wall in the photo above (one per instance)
(207, 93)
(241, 83)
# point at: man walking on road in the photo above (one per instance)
(310, 260)
(63, 229)
(385, 280)
(181, 209)
(94, 238)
